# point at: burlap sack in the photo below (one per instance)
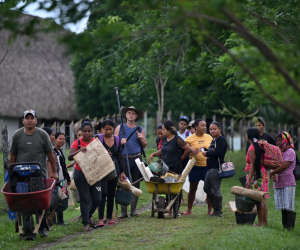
(96, 163)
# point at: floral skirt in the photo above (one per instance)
(262, 183)
(285, 198)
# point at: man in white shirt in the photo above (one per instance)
(183, 123)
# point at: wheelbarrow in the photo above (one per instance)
(160, 204)
(28, 204)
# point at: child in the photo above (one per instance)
(159, 136)
(191, 127)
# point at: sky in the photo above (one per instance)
(32, 10)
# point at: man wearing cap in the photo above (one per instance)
(32, 144)
(134, 147)
(183, 124)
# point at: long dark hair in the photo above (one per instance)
(170, 127)
(253, 134)
(101, 125)
(219, 126)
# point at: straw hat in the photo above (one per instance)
(139, 113)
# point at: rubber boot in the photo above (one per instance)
(134, 203)
(217, 206)
(284, 214)
(60, 219)
(290, 220)
(123, 212)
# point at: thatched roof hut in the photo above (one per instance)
(37, 76)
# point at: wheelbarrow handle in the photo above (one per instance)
(138, 181)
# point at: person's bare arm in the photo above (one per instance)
(13, 158)
(71, 164)
(187, 151)
(155, 154)
(51, 158)
(74, 152)
(252, 157)
(49, 168)
(117, 130)
(142, 138)
(278, 170)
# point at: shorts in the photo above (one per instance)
(197, 174)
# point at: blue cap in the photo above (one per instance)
(185, 118)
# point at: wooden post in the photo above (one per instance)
(107, 117)
(204, 117)
(43, 125)
(214, 118)
(285, 127)
(71, 131)
(57, 126)
(5, 146)
(95, 121)
(63, 130)
(193, 116)
(292, 132)
(181, 114)
(232, 132)
(145, 123)
(224, 126)
(279, 128)
(54, 127)
(79, 124)
(249, 124)
(241, 135)
(169, 115)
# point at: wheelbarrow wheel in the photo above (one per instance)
(161, 204)
(28, 223)
(176, 207)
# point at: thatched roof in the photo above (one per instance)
(37, 76)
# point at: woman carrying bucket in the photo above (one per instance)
(84, 189)
(172, 146)
(108, 188)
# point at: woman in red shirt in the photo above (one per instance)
(257, 175)
(84, 189)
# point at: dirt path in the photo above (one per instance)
(71, 236)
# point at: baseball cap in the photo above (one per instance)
(29, 111)
(185, 118)
(191, 124)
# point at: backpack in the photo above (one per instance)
(187, 134)
(272, 156)
(116, 138)
(297, 170)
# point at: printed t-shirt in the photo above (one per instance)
(159, 144)
(197, 142)
(286, 178)
(30, 148)
(75, 146)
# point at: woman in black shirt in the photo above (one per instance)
(260, 125)
(108, 188)
(215, 157)
(172, 147)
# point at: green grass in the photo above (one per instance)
(192, 232)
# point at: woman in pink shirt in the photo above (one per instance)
(285, 187)
(257, 175)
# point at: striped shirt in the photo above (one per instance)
(133, 146)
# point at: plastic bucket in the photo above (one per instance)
(244, 204)
(242, 219)
(124, 197)
(243, 180)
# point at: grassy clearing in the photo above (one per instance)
(192, 232)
